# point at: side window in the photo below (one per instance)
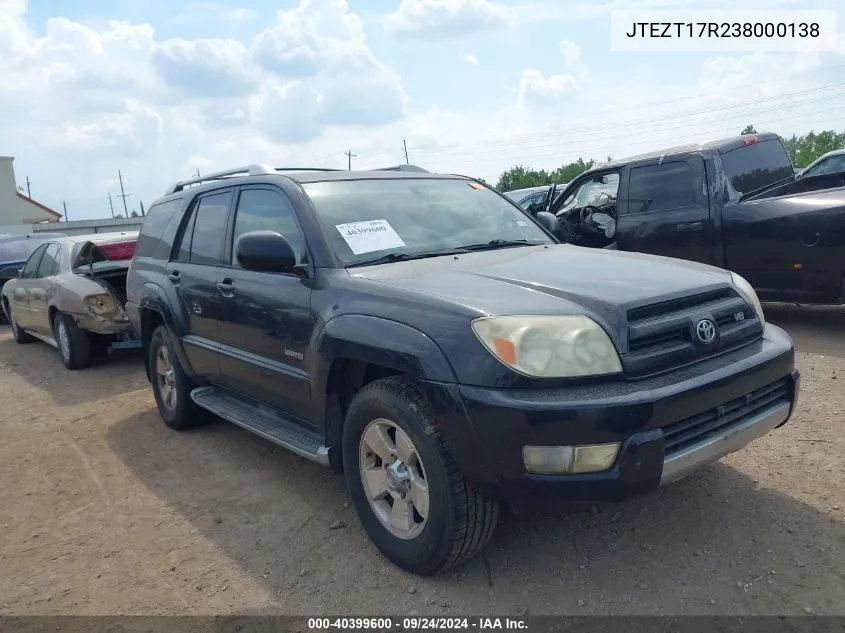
(158, 216)
(31, 266)
(50, 262)
(267, 210)
(202, 242)
(661, 187)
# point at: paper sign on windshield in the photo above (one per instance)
(369, 236)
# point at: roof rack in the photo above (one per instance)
(403, 168)
(267, 170)
(251, 170)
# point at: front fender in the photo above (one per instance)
(378, 341)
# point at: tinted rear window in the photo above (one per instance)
(661, 187)
(158, 217)
(757, 166)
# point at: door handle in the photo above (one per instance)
(173, 276)
(691, 226)
(226, 287)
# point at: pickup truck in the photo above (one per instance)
(735, 203)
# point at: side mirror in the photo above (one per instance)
(264, 251)
(10, 272)
(548, 221)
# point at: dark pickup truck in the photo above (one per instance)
(429, 338)
(734, 203)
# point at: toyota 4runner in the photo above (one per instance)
(427, 337)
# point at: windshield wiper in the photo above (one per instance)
(494, 244)
(406, 257)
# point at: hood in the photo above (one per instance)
(558, 279)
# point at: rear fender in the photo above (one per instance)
(153, 299)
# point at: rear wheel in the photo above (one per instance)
(171, 385)
(409, 493)
(73, 342)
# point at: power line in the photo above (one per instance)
(615, 131)
(657, 143)
(636, 122)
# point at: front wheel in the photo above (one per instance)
(409, 493)
(21, 336)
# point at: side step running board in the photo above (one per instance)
(263, 422)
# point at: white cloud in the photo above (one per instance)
(114, 96)
(470, 59)
(439, 19)
(535, 90)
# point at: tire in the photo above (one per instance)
(21, 337)
(458, 522)
(74, 343)
(179, 413)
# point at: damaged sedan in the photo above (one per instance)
(71, 293)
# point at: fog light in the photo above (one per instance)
(567, 460)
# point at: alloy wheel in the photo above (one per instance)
(166, 378)
(393, 478)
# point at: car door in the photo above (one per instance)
(666, 211)
(194, 275)
(19, 295)
(265, 318)
(40, 290)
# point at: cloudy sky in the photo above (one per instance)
(159, 89)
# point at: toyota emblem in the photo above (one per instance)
(706, 331)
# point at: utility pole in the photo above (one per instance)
(405, 146)
(28, 193)
(349, 156)
(111, 205)
(198, 173)
(123, 194)
(64, 208)
(141, 203)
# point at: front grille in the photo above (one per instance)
(661, 336)
(687, 432)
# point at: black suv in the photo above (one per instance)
(426, 336)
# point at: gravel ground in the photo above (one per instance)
(105, 511)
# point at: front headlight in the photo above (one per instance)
(745, 288)
(549, 346)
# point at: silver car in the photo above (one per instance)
(70, 294)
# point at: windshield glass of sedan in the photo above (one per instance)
(367, 219)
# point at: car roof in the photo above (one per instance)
(103, 238)
(305, 177)
(719, 145)
(27, 236)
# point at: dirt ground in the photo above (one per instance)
(105, 511)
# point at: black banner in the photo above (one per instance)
(527, 624)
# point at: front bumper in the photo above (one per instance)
(668, 425)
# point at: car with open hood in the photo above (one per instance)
(70, 294)
(433, 341)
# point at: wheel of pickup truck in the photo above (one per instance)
(73, 342)
(171, 385)
(21, 336)
(409, 494)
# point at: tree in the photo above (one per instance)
(134, 214)
(521, 177)
(748, 129)
(803, 150)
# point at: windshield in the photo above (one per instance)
(367, 219)
(598, 192)
(830, 165)
(19, 250)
